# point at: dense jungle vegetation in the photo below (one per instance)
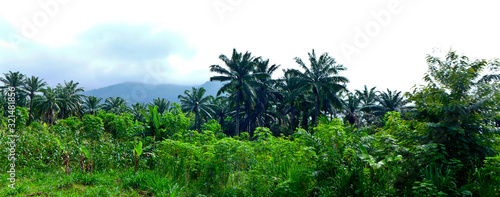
(301, 134)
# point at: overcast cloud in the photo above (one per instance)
(100, 43)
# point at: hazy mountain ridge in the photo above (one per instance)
(135, 92)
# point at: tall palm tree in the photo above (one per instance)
(322, 75)
(265, 92)
(195, 101)
(17, 81)
(290, 91)
(115, 105)
(32, 86)
(162, 103)
(330, 101)
(48, 104)
(239, 76)
(91, 104)
(71, 97)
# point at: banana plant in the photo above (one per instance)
(137, 154)
(85, 167)
(373, 164)
(65, 156)
(153, 120)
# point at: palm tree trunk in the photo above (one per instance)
(221, 122)
(292, 118)
(196, 121)
(316, 105)
(305, 120)
(237, 131)
(31, 108)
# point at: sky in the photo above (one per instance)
(100, 43)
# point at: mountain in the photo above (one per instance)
(135, 92)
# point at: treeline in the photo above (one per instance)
(249, 98)
(301, 134)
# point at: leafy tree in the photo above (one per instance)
(195, 101)
(455, 106)
(32, 86)
(321, 77)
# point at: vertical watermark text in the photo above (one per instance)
(11, 136)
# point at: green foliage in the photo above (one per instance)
(85, 151)
(426, 188)
(444, 145)
(138, 149)
(174, 121)
(120, 126)
(137, 154)
(21, 114)
(455, 105)
(487, 178)
(92, 127)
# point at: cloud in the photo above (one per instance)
(133, 43)
(103, 55)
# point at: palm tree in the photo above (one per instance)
(71, 97)
(265, 91)
(239, 76)
(493, 75)
(220, 109)
(195, 101)
(321, 76)
(136, 110)
(48, 104)
(115, 105)
(290, 91)
(17, 81)
(352, 109)
(32, 86)
(163, 105)
(91, 104)
(391, 101)
(368, 99)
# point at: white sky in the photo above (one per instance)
(73, 42)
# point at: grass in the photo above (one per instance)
(107, 183)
